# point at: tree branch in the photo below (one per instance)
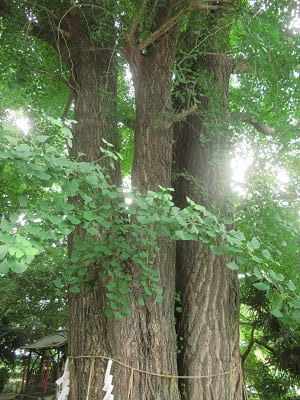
(162, 31)
(260, 127)
(136, 24)
(172, 22)
(182, 115)
(249, 347)
(56, 77)
(264, 345)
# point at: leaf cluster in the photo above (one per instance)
(84, 203)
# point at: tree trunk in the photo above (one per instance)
(94, 79)
(208, 326)
(149, 337)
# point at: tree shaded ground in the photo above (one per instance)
(208, 77)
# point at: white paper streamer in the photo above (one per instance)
(108, 387)
(64, 382)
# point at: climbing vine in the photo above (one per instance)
(114, 232)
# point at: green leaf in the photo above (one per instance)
(117, 314)
(57, 282)
(18, 267)
(126, 312)
(24, 149)
(124, 288)
(108, 313)
(232, 265)
(74, 289)
(4, 267)
(257, 273)
(296, 316)
(227, 220)
(92, 231)
(242, 260)
(276, 299)
(256, 259)
(31, 251)
(89, 216)
(295, 303)
(74, 220)
(253, 244)
(16, 251)
(267, 254)
(111, 286)
(261, 286)
(11, 139)
(211, 234)
(141, 301)
(71, 187)
(92, 179)
(42, 175)
(159, 299)
(291, 285)
(41, 138)
(4, 250)
(23, 201)
(277, 313)
(183, 235)
(217, 250)
(108, 144)
(275, 276)
(144, 220)
(55, 219)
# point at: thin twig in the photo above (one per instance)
(56, 77)
(250, 345)
(204, 40)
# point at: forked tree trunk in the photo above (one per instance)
(209, 323)
(147, 339)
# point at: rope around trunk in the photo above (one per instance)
(171, 377)
(154, 373)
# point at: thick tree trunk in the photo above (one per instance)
(147, 339)
(151, 344)
(94, 80)
(209, 323)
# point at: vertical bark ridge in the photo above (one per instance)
(94, 78)
(209, 323)
(153, 342)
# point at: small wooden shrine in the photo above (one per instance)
(42, 366)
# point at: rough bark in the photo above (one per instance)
(209, 322)
(94, 82)
(147, 339)
(151, 344)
